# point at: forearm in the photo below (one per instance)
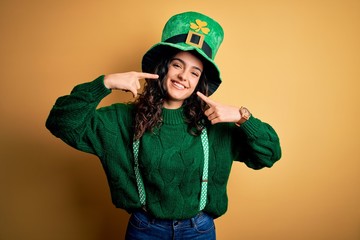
(261, 142)
(73, 112)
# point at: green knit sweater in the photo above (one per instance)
(171, 159)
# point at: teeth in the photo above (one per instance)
(179, 85)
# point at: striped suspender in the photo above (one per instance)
(204, 180)
(139, 181)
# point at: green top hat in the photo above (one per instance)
(190, 31)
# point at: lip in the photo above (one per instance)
(178, 85)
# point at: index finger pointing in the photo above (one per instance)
(148, 75)
(205, 98)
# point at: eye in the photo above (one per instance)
(195, 74)
(176, 64)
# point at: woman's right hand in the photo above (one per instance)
(128, 81)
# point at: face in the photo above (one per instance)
(183, 75)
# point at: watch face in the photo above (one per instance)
(245, 113)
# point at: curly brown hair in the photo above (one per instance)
(148, 107)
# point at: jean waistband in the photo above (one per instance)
(165, 222)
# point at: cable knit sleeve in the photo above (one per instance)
(259, 144)
(75, 120)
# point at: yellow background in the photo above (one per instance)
(294, 64)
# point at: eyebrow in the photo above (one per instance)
(180, 60)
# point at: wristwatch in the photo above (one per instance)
(244, 115)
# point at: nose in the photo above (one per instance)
(182, 75)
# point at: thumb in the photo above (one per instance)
(133, 91)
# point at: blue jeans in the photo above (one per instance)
(141, 226)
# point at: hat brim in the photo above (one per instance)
(152, 57)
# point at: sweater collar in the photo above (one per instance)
(173, 116)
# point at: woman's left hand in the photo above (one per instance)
(217, 113)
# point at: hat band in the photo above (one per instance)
(183, 38)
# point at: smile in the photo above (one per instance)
(178, 85)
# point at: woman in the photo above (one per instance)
(168, 155)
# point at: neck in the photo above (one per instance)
(169, 104)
